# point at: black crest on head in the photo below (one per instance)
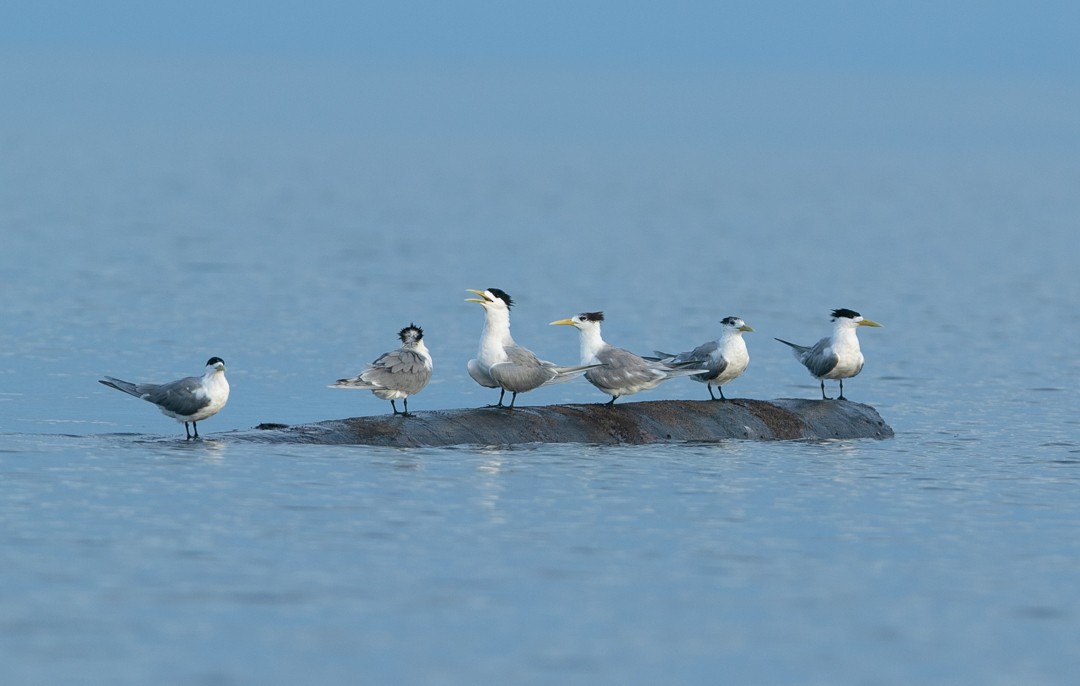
(214, 360)
(502, 295)
(593, 316)
(411, 331)
(730, 321)
(844, 312)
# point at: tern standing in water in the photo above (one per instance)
(725, 358)
(501, 363)
(191, 399)
(837, 356)
(398, 373)
(621, 372)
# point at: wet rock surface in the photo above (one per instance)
(623, 423)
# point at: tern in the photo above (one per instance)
(622, 372)
(398, 373)
(837, 356)
(501, 363)
(191, 399)
(726, 358)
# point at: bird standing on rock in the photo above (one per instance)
(726, 358)
(501, 363)
(398, 373)
(621, 371)
(837, 356)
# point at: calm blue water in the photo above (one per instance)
(142, 247)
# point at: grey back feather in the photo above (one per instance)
(179, 397)
(398, 370)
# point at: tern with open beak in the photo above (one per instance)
(501, 363)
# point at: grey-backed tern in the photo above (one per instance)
(191, 399)
(837, 356)
(725, 358)
(397, 374)
(501, 363)
(621, 372)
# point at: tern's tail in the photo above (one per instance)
(675, 362)
(673, 372)
(354, 382)
(660, 356)
(799, 349)
(564, 374)
(125, 386)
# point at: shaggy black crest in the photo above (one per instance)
(214, 360)
(730, 321)
(502, 295)
(844, 312)
(411, 331)
(593, 316)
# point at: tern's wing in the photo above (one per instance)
(523, 371)
(518, 378)
(402, 362)
(622, 369)
(184, 397)
(706, 357)
(522, 356)
(820, 359)
(399, 370)
(480, 374)
(701, 356)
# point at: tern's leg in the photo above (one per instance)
(406, 412)
(612, 401)
(709, 386)
(823, 396)
(512, 399)
(721, 389)
(195, 428)
(394, 406)
(841, 390)
(186, 432)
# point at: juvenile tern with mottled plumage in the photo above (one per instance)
(398, 373)
(501, 363)
(191, 399)
(837, 356)
(725, 358)
(622, 372)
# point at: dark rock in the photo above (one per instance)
(628, 422)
